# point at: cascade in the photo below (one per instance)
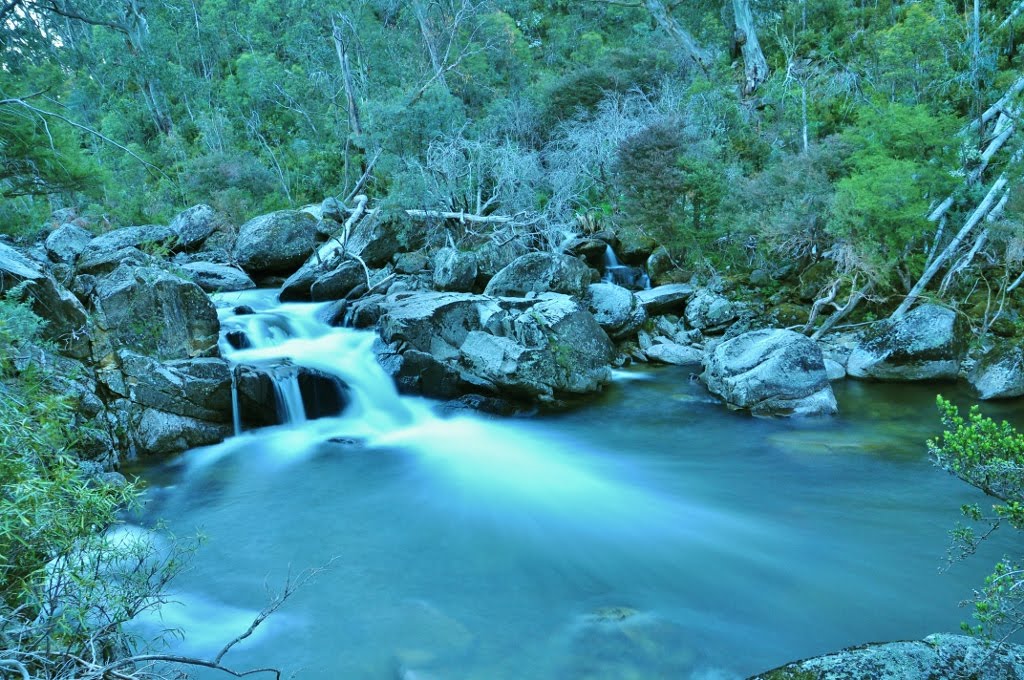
(634, 278)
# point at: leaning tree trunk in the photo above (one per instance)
(755, 68)
(668, 23)
(983, 209)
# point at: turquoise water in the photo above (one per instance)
(650, 534)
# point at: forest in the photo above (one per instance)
(868, 147)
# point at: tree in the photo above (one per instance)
(989, 456)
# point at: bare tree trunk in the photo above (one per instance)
(428, 38)
(341, 47)
(668, 23)
(979, 213)
(755, 68)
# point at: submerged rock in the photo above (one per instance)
(929, 343)
(771, 372)
(937, 657)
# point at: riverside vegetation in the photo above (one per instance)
(794, 169)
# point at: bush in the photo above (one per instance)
(989, 456)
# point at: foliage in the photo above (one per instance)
(990, 456)
(69, 577)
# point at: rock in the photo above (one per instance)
(927, 344)
(616, 309)
(193, 226)
(708, 311)
(102, 262)
(132, 237)
(834, 370)
(590, 250)
(551, 349)
(218, 278)
(434, 323)
(540, 273)
(999, 372)
(376, 240)
(937, 657)
(66, 243)
(674, 353)
(492, 257)
(155, 313)
(410, 263)
(164, 433)
(635, 248)
(659, 264)
(277, 243)
(68, 325)
(542, 349)
(664, 299)
(337, 284)
(194, 388)
(770, 372)
(454, 270)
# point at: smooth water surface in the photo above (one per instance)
(650, 534)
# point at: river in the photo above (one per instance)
(651, 533)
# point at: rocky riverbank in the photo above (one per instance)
(133, 327)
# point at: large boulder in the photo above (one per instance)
(194, 225)
(67, 322)
(543, 349)
(277, 243)
(937, 657)
(153, 312)
(616, 309)
(929, 343)
(551, 349)
(770, 372)
(454, 270)
(218, 278)
(66, 243)
(999, 372)
(541, 273)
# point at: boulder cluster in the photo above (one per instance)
(130, 322)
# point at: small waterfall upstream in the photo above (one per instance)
(634, 278)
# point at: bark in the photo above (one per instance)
(755, 68)
(699, 55)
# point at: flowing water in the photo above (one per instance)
(649, 534)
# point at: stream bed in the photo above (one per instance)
(651, 533)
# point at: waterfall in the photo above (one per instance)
(615, 272)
